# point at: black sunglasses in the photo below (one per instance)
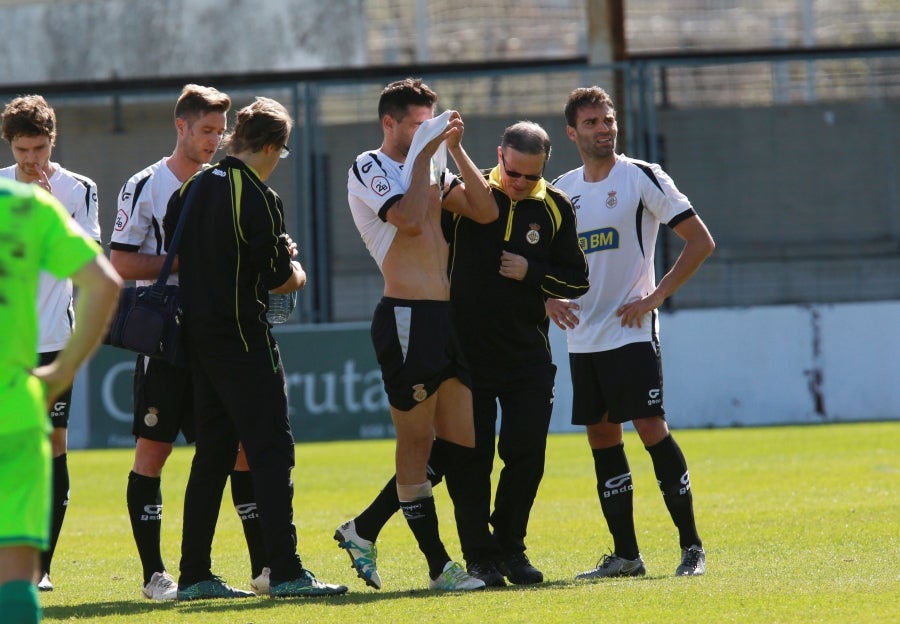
(515, 175)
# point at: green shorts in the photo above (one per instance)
(25, 475)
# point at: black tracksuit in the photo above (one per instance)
(503, 329)
(232, 252)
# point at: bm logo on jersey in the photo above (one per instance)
(598, 240)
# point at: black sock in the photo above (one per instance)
(244, 500)
(144, 499)
(422, 519)
(675, 484)
(373, 518)
(444, 455)
(616, 492)
(60, 504)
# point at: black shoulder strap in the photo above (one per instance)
(176, 237)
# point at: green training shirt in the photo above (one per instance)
(35, 233)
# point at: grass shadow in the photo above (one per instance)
(93, 611)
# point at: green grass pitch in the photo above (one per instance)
(800, 524)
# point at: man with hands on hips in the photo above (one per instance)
(613, 334)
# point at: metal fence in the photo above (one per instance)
(790, 158)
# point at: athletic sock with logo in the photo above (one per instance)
(675, 484)
(60, 505)
(616, 492)
(244, 499)
(422, 519)
(373, 518)
(144, 498)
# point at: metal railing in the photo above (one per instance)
(687, 111)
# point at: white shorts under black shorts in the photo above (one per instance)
(417, 349)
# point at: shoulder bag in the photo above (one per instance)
(149, 319)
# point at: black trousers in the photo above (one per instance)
(240, 398)
(525, 399)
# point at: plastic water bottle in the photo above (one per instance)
(280, 307)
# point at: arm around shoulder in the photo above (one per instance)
(476, 201)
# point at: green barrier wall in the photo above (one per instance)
(334, 387)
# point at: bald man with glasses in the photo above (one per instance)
(501, 274)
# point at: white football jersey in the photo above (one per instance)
(618, 222)
(142, 205)
(78, 194)
(375, 182)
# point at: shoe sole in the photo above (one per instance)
(529, 581)
(458, 589)
(151, 597)
(641, 571)
(214, 595)
(312, 594)
(340, 539)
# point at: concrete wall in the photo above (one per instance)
(771, 365)
(748, 367)
(73, 41)
(803, 201)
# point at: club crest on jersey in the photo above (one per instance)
(380, 185)
(151, 418)
(534, 233)
(121, 220)
(611, 200)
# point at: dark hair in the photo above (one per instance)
(585, 96)
(29, 115)
(196, 101)
(264, 122)
(397, 97)
(527, 137)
